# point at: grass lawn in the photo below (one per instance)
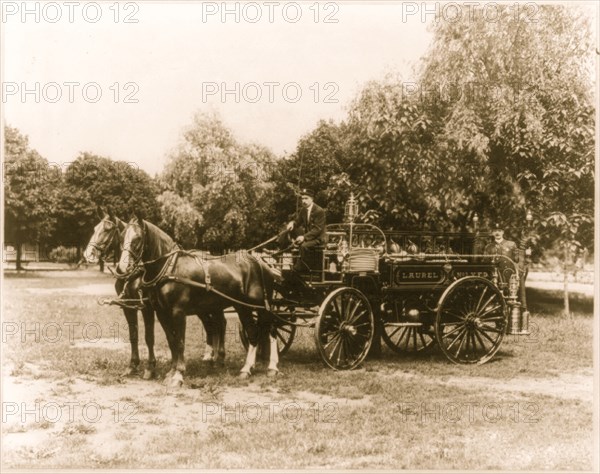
(65, 404)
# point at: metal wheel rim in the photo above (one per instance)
(471, 321)
(344, 329)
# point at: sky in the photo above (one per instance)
(123, 80)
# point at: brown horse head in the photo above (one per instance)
(143, 242)
(106, 233)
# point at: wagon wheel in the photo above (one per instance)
(285, 333)
(344, 328)
(406, 337)
(471, 320)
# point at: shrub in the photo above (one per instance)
(64, 254)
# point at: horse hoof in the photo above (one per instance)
(168, 377)
(272, 373)
(244, 375)
(130, 372)
(148, 374)
(176, 380)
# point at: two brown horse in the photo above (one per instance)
(108, 235)
(180, 283)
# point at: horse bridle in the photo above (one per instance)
(137, 259)
(110, 240)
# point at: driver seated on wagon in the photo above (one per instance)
(306, 231)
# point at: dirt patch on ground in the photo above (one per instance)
(100, 289)
(575, 386)
(45, 411)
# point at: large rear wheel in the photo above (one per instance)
(471, 320)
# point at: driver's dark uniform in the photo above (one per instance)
(312, 227)
(506, 248)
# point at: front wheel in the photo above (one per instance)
(344, 328)
(471, 320)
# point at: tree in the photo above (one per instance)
(316, 160)
(180, 219)
(30, 192)
(523, 109)
(225, 182)
(90, 181)
(526, 115)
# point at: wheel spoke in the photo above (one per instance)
(407, 341)
(361, 324)
(338, 342)
(476, 333)
(453, 323)
(484, 334)
(451, 313)
(458, 336)
(337, 310)
(476, 309)
(467, 342)
(465, 334)
(490, 328)
(396, 329)
(473, 344)
(358, 316)
(334, 338)
(401, 337)
(327, 334)
(351, 313)
(492, 318)
(489, 310)
(453, 331)
(342, 350)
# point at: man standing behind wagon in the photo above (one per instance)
(307, 230)
(500, 246)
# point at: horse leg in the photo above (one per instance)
(209, 347)
(220, 336)
(132, 323)
(179, 320)
(251, 329)
(166, 321)
(267, 323)
(150, 370)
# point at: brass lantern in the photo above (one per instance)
(351, 209)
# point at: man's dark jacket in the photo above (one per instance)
(314, 229)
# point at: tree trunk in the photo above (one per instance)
(19, 247)
(566, 283)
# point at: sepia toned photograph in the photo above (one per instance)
(305, 235)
